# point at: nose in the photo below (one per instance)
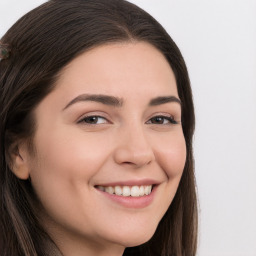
(133, 148)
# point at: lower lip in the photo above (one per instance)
(132, 202)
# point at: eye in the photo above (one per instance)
(93, 120)
(162, 120)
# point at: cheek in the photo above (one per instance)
(171, 155)
(65, 162)
(69, 155)
(61, 171)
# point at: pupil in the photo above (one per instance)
(158, 120)
(92, 119)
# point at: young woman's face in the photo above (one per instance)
(110, 149)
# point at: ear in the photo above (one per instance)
(20, 157)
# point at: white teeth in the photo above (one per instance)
(118, 190)
(134, 191)
(110, 190)
(148, 190)
(126, 191)
(142, 191)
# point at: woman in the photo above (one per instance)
(96, 134)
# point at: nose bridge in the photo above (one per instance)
(137, 138)
(134, 147)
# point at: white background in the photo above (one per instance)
(218, 41)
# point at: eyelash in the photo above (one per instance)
(170, 120)
(90, 117)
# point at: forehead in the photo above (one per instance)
(126, 64)
(135, 72)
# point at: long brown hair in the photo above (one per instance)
(41, 43)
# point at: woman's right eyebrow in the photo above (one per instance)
(101, 98)
(118, 102)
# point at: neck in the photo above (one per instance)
(75, 248)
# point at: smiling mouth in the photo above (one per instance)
(133, 191)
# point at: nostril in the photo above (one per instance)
(135, 164)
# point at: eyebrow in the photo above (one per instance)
(164, 99)
(104, 99)
(118, 102)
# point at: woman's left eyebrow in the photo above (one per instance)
(164, 99)
(118, 102)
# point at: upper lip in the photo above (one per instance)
(142, 182)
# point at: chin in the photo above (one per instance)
(136, 237)
(137, 242)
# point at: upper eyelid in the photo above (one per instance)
(164, 114)
(93, 113)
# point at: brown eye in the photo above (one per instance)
(93, 120)
(162, 120)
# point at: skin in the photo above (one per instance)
(73, 156)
